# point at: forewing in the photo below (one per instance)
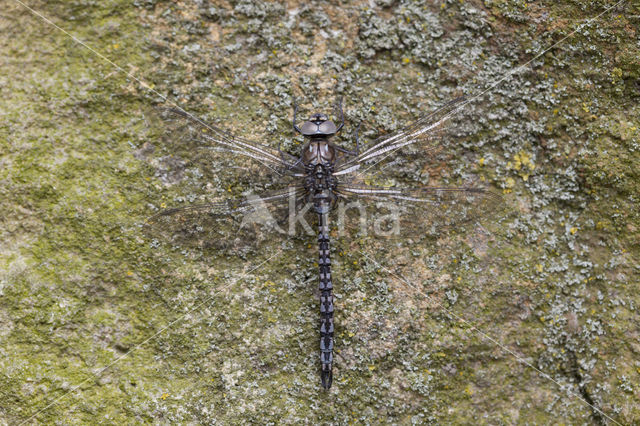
(418, 138)
(187, 138)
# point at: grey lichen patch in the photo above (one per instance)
(206, 338)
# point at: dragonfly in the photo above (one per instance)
(322, 180)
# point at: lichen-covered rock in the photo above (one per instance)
(529, 320)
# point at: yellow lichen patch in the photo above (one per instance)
(164, 396)
(616, 74)
(523, 160)
(510, 183)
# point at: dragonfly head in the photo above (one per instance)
(318, 125)
(318, 118)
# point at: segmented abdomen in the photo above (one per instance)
(326, 303)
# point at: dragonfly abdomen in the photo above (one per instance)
(326, 303)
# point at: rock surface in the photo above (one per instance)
(532, 322)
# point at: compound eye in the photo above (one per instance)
(327, 128)
(309, 128)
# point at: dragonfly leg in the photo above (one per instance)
(349, 152)
(295, 128)
(291, 166)
(341, 115)
(346, 151)
(295, 113)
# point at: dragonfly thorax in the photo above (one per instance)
(320, 186)
(319, 178)
(319, 151)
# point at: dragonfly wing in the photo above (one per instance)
(237, 224)
(185, 133)
(417, 212)
(424, 135)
